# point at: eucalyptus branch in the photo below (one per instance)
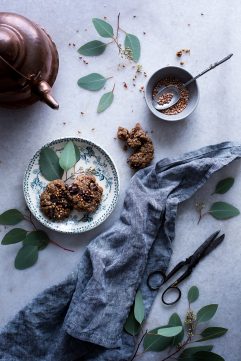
(176, 330)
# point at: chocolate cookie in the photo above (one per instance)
(138, 140)
(55, 201)
(86, 193)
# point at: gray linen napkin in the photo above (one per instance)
(82, 318)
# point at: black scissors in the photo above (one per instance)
(208, 246)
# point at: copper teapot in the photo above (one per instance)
(29, 63)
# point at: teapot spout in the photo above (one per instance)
(43, 90)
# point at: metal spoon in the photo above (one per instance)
(173, 92)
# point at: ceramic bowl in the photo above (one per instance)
(93, 160)
(182, 75)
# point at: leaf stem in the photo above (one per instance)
(178, 350)
(123, 30)
(138, 345)
(118, 27)
(30, 219)
(113, 88)
(58, 245)
(201, 215)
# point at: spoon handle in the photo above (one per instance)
(212, 66)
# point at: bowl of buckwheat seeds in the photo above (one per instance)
(172, 76)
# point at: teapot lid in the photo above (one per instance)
(28, 56)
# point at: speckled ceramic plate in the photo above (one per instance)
(94, 160)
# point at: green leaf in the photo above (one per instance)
(224, 185)
(26, 257)
(92, 48)
(193, 294)
(170, 331)
(37, 238)
(103, 28)
(176, 321)
(14, 236)
(11, 217)
(131, 326)
(68, 156)
(212, 332)
(105, 101)
(93, 81)
(77, 153)
(188, 353)
(207, 356)
(222, 210)
(139, 309)
(133, 43)
(49, 164)
(154, 342)
(206, 313)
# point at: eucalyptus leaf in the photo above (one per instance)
(14, 236)
(223, 210)
(154, 342)
(188, 353)
(37, 238)
(131, 326)
(133, 43)
(139, 309)
(68, 156)
(212, 332)
(207, 356)
(193, 294)
(105, 101)
(26, 257)
(49, 164)
(92, 48)
(206, 313)
(175, 320)
(77, 153)
(93, 82)
(103, 28)
(11, 217)
(170, 331)
(224, 185)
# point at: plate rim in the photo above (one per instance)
(117, 192)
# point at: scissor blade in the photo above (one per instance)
(216, 242)
(206, 247)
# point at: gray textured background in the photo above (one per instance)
(210, 37)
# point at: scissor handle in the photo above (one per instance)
(161, 274)
(179, 294)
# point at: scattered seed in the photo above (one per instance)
(125, 85)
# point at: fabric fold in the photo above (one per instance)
(113, 267)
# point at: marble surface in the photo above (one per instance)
(169, 26)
